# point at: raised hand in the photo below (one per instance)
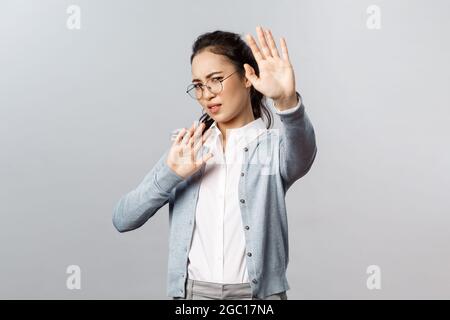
(182, 157)
(276, 75)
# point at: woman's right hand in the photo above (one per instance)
(182, 155)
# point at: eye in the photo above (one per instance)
(197, 85)
(217, 79)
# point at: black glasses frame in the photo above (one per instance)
(192, 86)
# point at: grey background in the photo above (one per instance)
(85, 114)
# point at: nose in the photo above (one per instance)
(207, 95)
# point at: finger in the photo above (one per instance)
(198, 131)
(206, 134)
(207, 157)
(190, 142)
(180, 136)
(197, 146)
(188, 136)
(263, 42)
(201, 141)
(185, 138)
(197, 134)
(284, 50)
(272, 44)
(254, 47)
(197, 143)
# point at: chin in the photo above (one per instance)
(220, 118)
(216, 117)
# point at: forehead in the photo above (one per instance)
(206, 62)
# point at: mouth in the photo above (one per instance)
(214, 108)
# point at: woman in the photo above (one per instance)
(227, 213)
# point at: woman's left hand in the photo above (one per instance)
(276, 76)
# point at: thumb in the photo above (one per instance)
(250, 73)
(207, 157)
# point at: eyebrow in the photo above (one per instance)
(208, 76)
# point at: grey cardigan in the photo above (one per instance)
(288, 154)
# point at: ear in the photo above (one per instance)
(247, 83)
(250, 75)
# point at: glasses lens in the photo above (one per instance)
(215, 86)
(194, 91)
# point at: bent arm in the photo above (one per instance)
(297, 144)
(140, 204)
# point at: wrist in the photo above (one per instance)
(286, 103)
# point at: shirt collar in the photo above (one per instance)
(243, 135)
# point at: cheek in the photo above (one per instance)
(234, 94)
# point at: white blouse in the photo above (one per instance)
(218, 252)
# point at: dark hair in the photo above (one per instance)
(231, 45)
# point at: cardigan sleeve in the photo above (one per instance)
(137, 206)
(297, 143)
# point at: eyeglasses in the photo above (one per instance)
(214, 85)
